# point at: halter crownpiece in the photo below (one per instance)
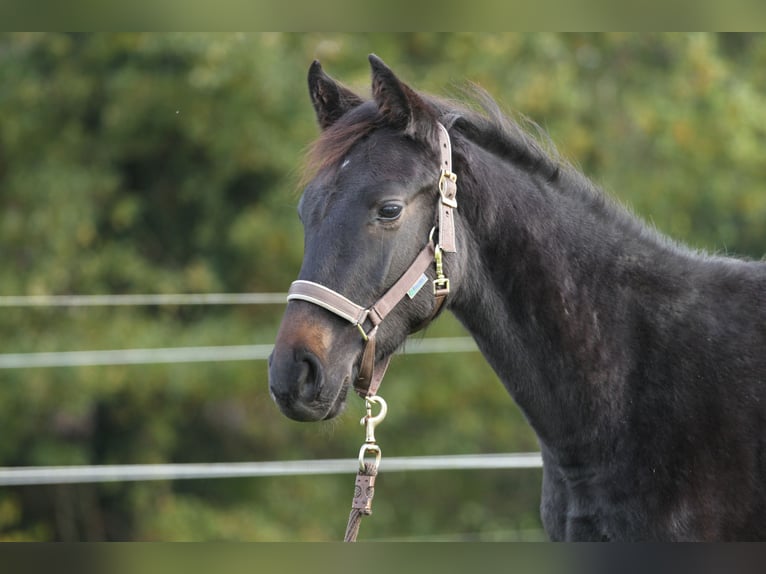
(447, 193)
(367, 319)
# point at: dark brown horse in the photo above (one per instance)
(640, 364)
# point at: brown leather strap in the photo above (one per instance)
(369, 378)
(356, 314)
(327, 298)
(447, 193)
(398, 290)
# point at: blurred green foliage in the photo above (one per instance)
(161, 163)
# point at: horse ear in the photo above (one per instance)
(399, 104)
(331, 100)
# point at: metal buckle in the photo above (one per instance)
(441, 286)
(447, 175)
(441, 283)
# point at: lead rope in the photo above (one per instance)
(364, 487)
(365, 482)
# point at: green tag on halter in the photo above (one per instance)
(417, 286)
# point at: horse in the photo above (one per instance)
(638, 362)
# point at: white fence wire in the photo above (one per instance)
(137, 300)
(139, 472)
(197, 354)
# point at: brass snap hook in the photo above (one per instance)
(370, 422)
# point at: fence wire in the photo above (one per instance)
(197, 354)
(139, 300)
(40, 475)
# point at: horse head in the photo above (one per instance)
(369, 213)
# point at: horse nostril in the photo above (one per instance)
(309, 375)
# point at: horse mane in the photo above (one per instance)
(522, 141)
(478, 117)
(528, 146)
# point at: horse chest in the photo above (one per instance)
(581, 505)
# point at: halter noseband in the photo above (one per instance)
(409, 284)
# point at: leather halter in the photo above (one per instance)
(408, 284)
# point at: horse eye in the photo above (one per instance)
(389, 212)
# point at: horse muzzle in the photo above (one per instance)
(304, 381)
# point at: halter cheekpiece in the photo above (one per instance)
(367, 319)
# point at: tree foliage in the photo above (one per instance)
(159, 163)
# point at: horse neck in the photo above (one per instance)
(538, 291)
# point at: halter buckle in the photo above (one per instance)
(446, 191)
(441, 286)
(441, 283)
